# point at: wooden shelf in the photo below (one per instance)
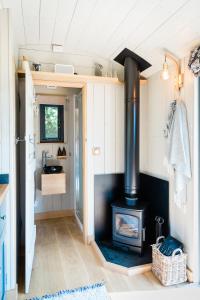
(62, 157)
(70, 80)
(49, 78)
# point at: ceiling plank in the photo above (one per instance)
(154, 21)
(48, 13)
(65, 12)
(173, 28)
(31, 12)
(124, 29)
(105, 19)
(79, 24)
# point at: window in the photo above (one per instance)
(51, 123)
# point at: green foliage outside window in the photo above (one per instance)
(51, 122)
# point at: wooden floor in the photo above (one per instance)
(62, 261)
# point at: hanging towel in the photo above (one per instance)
(179, 153)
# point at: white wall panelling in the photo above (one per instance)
(99, 127)
(160, 93)
(110, 129)
(7, 139)
(5, 95)
(119, 129)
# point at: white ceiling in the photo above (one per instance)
(104, 27)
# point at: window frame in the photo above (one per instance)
(60, 138)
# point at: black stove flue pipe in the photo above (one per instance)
(133, 65)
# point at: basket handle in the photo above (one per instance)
(176, 251)
(158, 239)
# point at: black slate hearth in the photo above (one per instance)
(123, 257)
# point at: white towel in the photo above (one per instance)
(179, 153)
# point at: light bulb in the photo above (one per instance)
(165, 72)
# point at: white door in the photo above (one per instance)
(30, 166)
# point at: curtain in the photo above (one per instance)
(194, 61)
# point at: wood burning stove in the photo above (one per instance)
(129, 214)
(128, 226)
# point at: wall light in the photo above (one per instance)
(165, 72)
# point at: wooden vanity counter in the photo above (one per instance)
(53, 184)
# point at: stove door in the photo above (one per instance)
(128, 226)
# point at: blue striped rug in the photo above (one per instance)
(91, 292)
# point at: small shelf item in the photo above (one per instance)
(64, 153)
(169, 270)
(61, 156)
(59, 153)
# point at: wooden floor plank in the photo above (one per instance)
(63, 261)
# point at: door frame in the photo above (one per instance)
(54, 81)
(196, 184)
(74, 156)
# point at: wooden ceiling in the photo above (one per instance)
(104, 27)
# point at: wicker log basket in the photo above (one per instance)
(169, 270)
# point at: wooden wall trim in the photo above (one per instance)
(85, 165)
(58, 83)
(59, 79)
(52, 76)
(54, 214)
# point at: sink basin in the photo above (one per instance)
(52, 169)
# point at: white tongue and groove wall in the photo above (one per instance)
(154, 115)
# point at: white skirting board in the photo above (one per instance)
(79, 222)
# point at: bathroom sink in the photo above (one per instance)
(52, 169)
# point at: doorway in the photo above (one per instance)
(70, 202)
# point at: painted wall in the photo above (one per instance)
(63, 201)
(153, 117)
(7, 137)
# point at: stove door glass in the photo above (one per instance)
(127, 225)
